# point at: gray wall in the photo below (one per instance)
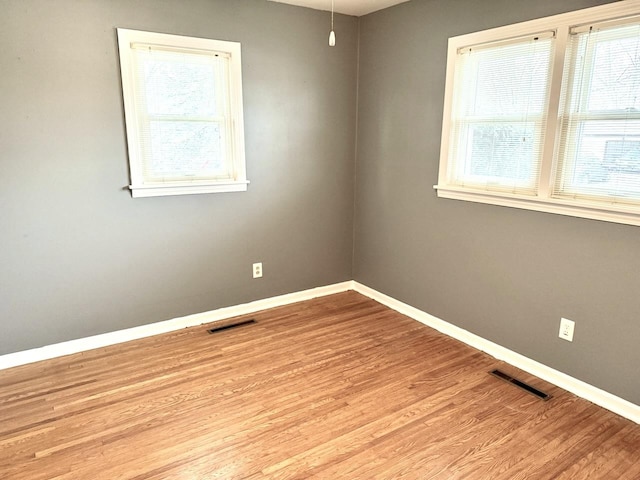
(505, 274)
(79, 256)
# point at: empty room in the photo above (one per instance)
(348, 239)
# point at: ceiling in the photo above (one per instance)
(348, 7)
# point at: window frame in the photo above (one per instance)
(234, 158)
(544, 199)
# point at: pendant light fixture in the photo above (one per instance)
(332, 34)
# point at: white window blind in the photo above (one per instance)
(499, 114)
(183, 114)
(599, 146)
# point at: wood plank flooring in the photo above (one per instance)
(338, 387)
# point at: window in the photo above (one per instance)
(499, 117)
(183, 111)
(545, 115)
(599, 156)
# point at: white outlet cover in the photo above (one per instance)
(257, 270)
(566, 329)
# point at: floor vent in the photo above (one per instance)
(526, 387)
(231, 325)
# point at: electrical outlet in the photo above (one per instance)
(566, 329)
(257, 270)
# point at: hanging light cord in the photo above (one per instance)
(332, 14)
(332, 34)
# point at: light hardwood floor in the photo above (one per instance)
(338, 387)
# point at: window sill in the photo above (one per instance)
(614, 212)
(161, 190)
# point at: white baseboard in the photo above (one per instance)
(595, 395)
(600, 397)
(89, 343)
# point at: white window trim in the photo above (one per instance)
(543, 201)
(140, 188)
